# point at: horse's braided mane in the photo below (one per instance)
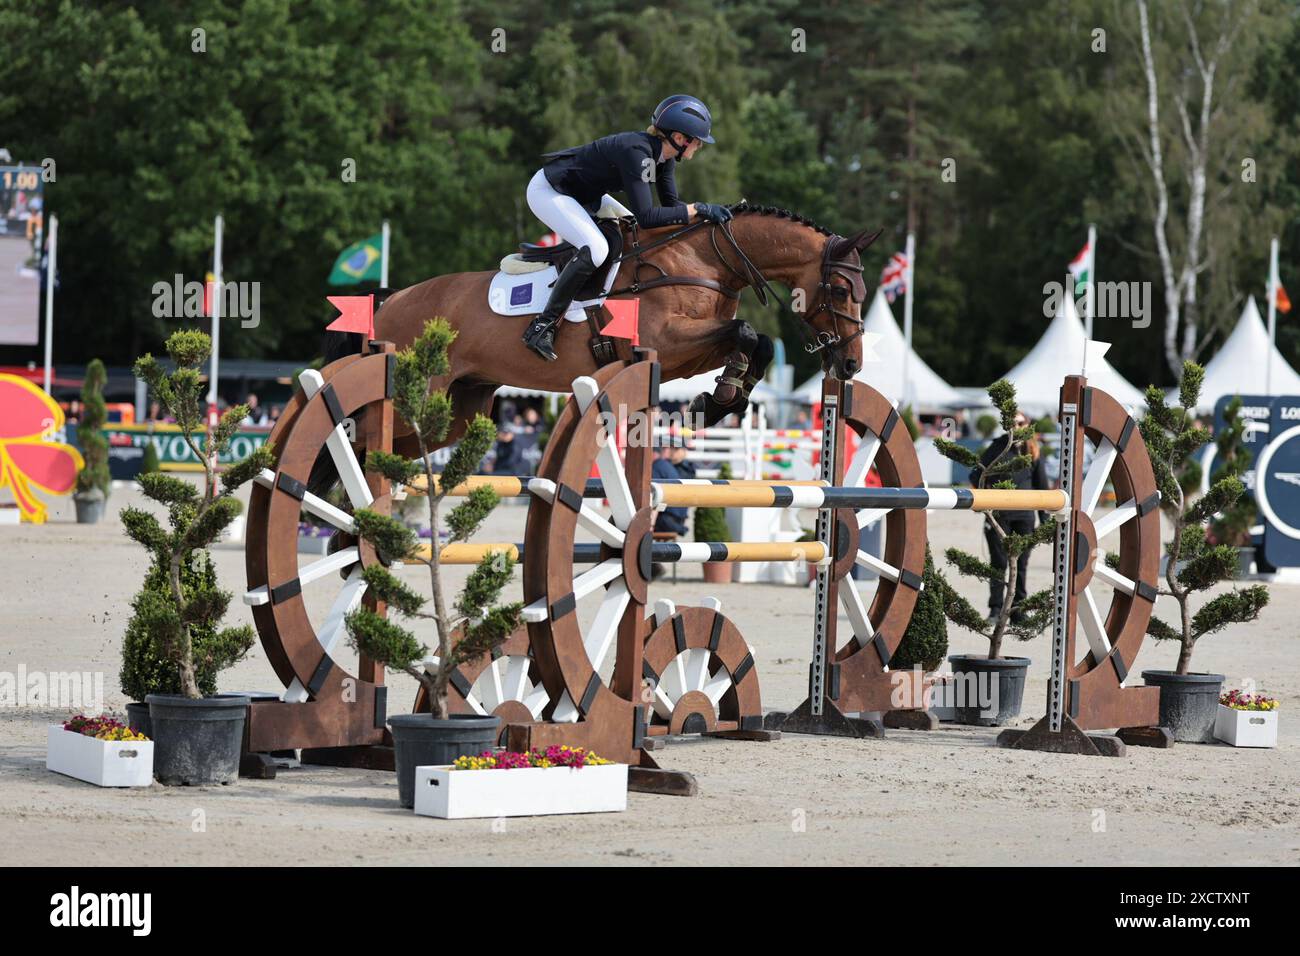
(745, 207)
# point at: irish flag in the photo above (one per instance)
(1081, 268)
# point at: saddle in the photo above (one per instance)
(561, 253)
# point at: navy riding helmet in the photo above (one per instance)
(681, 113)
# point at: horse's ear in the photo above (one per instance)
(862, 241)
(858, 242)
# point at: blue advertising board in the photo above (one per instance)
(1277, 484)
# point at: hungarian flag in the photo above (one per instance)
(1283, 300)
(1080, 267)
(358, 262)
(893, 278)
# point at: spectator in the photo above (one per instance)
(505, 458)
(669, 519)
(1015, 522)
(256, 417)
(528, 434)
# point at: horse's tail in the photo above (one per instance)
(337, 345)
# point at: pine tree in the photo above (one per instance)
(483, 624)
(181, 619)
(1195, 563)
(1034, 612)
(90, 432)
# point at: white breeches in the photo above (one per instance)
(567, 218)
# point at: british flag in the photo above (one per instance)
(893, 278)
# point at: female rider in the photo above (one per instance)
(573, 184)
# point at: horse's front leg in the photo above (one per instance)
(744, 366)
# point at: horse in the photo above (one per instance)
(687, 313)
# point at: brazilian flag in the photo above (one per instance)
(358, 262)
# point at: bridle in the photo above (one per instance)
(752, 276)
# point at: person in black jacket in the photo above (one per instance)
(1017, 522)
(572, 185)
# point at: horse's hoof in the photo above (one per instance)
(709, 411)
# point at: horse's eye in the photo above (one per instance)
(839, 291)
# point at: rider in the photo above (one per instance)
(573, 184)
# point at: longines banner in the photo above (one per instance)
(1272, 439)
(126, 445)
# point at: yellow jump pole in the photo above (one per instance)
(509, 486)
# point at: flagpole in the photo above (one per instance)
(216, 316)
(1092, 278)
(52, 252)
(383, 258)
(1272, 315)
(907, 319)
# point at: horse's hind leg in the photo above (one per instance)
(741, 371)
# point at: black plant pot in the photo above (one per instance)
(1188, 703)
(197, 742)
(421, 740)
(89, 505)
(137, 718)
(989, 692)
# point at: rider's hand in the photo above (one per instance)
(713, 211)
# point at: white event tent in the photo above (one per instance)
(885, 375)
(1058, 353)
(1238, 367)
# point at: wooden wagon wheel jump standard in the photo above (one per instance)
(689, 670)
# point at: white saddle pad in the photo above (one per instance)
(527, 293)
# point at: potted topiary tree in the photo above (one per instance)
(145, 667)
(922, 649)
(94, 480)
(983, 681)
(197, 738)
(1232, 459)
(711, 525)
(475, 624)
(1189, 701)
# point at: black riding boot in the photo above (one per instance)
(540, 334)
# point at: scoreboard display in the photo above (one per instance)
(22, 240)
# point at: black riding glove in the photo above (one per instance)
(713, 211)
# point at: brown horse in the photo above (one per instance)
(687, 312)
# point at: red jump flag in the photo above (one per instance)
(358, 314)
(1283, 300)
(626, 315)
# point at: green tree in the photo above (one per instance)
(182, 618)
(1195, 563)
(90, 432)
(1032, 614)
(485, 623)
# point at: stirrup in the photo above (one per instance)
(540, 338)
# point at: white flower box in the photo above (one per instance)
(941, 698)
(522, 792)
(105, 763)
(1246, 728)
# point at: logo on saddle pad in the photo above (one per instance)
(526, 294)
